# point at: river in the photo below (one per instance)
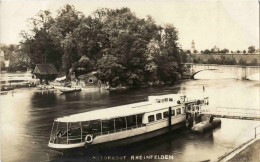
(27, 116)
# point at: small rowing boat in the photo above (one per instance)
(70, 90)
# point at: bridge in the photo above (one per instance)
(241, 72)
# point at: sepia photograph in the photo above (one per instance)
(130, 80)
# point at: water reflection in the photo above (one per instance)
(255, 77)
(27, 116)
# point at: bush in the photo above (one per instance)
(254, 63)
(242, 62)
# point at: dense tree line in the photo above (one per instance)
(226, 61)
(121, 47)
(215, 50)
(17, 61)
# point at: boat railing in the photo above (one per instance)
(70, 139)
(123, 129)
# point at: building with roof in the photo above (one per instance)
(45, 72)
(88, 80)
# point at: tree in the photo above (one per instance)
(91, 40)
(224, 51)
(254, 62)
(128, 38)
(170, 62)
(207, 51)
(84, 65)
(244, 51)
(215, 49)
(61, 32)
(37, 44)
(17, 62)
(238, 51)
(109, 69)
(138, 47)
(242, 61)
(251, 49)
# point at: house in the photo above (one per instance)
(45, 71)
(88, 80)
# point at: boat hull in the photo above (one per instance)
(70, 91)
(138, 138)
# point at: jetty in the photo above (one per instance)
(232, 113)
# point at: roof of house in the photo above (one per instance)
(45, 69)
(87, 75)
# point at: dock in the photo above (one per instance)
(232, 113)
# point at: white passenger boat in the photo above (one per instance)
(122, 124)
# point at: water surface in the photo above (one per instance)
(27, 116)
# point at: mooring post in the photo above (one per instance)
(170, 118)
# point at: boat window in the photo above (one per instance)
(183, 110)
(107, 125)
(173, 112)
(74, 129)
(61, 129)
(158, 101)
(60, 133)
(178, 111)
(120, 123)
(165, 114)
(86, 129)
(131, 120)
(170, 99)
(158, 116)
(55, 127)
(150, 118)
(166, 99)
(95, 126)
(139, 119)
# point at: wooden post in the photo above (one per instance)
(67, 133)
(114, 125)
(80, 131)
(170, 118)
(136, 120)
(125, 123)
(101, 126)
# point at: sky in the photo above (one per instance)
(232, 24)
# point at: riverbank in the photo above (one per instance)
(248, 151)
